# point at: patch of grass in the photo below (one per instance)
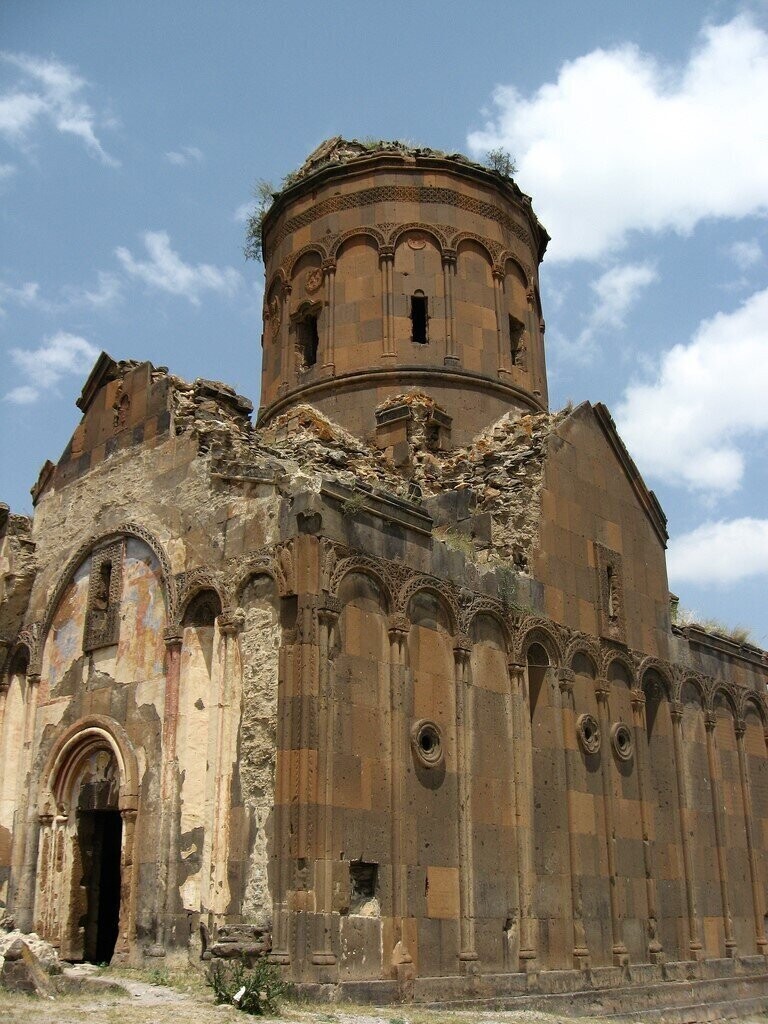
(457, 541)
(688, 617)
(353, 505)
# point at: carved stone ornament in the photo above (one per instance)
(588, 732)
(314, 281)
(427, 743)
(621, 741)
(105, 585)
(416, 241)
(274, 315)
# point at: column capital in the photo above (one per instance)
(565, 678)
(676, 710)
(462, 645)
(398, 626)
(230, 623)
(710, 721)
(602, 690)
(386, 252)
(449, 257)
(173, 637)
(637, 697)
(739, 727)
(329, 265)
(33, 678)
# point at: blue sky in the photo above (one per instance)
(131, 136)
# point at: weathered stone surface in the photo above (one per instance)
(21, 971)
(384, 686)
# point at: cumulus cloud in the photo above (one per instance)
(726, 551)
(746, 254)
(620, 143)
(615, 292)
(166, 271)
(58, 356)
(692, 423)
(48, 90)
(185, 155)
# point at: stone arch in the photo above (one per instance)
(611, 657)
(311, 247)
(724, 691)
(74, 563)
(467, 238)
(757, 701)
(435, 587)
(538, 631)
(278, 282)
(62, 901)
(416, 227)
(507, 257)
(86, 734)
(698, 683)
(257, 565)
(493, 612)
(365, 567)
(21, 650)
(347, 236)
(662, 671)
(583, 645)
(194, 584)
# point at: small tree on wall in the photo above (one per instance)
(501, 161)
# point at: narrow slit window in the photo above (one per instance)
(419, 319)
(309, 340)
(516, 331)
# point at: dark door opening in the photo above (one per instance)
(100, 834)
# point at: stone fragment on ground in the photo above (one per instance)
(22, 971)
(44, 951)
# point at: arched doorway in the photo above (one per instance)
(87, 817)
(95, 907)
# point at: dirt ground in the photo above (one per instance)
(183, 998)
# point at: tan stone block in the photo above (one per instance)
(442, 892)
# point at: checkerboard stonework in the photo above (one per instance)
(383, 685)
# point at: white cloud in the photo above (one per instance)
(27, 295)
(48, 90)
(615, 291)
(720, 552)
(25, 394)
(691, 425)
(107, 292)
(6, 171)
(746, 254)
(166, 271)
(244, 211)
(185, 155)
(60, 355)
(620, 143)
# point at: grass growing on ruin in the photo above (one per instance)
(256, 990)
(688, 617)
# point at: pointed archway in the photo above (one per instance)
(84, 901)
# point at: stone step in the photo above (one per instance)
(673, 1002)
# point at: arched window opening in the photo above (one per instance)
(308, 340)
(202, 609)
(419, 318)
(516, 332)
(538, 663)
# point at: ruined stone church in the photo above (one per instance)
(381, 681)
